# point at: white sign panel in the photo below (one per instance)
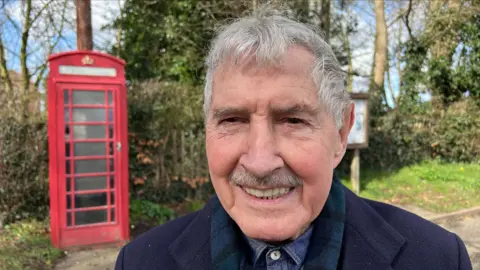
(358, 134)
(87, 71)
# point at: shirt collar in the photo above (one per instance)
(296, 250)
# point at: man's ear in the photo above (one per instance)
(348, 120)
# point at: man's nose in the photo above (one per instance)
(261, 157)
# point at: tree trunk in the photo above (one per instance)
(346, 46)
(120, 28)
(175, 153)
(182, 154)
(84, 25)
(4, 70)
(325, 19)
(380, 56)
(191, 155)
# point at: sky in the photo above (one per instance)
(103, 12)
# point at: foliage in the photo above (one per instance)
(457, 133)
(403, 138)
(143, 210)
(26, 245)
(443, 60)
(194, 205)
(23, 170)
(167, 40)
(432, 185)
(167, 155)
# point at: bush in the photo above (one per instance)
(402, 138)
(166, 137)
(23, 170)
(457, 133)
(147, 211)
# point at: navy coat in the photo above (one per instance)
(376, 236)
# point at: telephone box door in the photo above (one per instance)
(89, 176)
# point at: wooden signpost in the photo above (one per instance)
(358, 137)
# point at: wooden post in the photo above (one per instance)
(355, 171)
(84, 25)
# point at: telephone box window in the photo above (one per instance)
(89, 217)
(67, 166)
(90, 200)
(82, 132)
(88, 115)
(68, 183)
(66, 97)
(69, 219)
(90, 166)
(90, 183)
(81, 97)
(90, 149)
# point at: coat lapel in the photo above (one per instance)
(369, 242)
(191, 250)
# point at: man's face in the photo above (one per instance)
(271, 146)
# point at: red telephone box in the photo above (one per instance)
(88, 150)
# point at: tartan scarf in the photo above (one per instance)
(228, 246)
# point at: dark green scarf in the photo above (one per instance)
(228, 247)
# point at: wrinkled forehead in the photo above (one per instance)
(296, 60)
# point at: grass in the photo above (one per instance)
(433, 186)
(26, 245)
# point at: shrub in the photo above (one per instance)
(23, 170)
(402, 138)
(166, 137)
(457, 133)
(147, 211)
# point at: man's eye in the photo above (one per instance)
(231, 120)
(293, 120)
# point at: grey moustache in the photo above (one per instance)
(278, 178)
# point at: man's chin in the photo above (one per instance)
(271, 231)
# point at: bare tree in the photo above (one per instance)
(40, 30)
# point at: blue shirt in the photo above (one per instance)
(285, 257)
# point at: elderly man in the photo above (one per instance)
(277, 121)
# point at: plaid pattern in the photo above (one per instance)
(292, 254)
(228, 247)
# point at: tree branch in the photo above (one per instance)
(407, 24)
(40, 12)
(42, 68)
(23, 48)
(3, 69)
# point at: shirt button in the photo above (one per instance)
(275, 255)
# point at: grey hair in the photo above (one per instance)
(266, 35)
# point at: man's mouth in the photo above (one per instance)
(267, 194)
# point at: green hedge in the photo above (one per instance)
(402, 138)
(23, 170)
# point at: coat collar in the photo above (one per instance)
(191, 250)
(369, 242)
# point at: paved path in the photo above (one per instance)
(467, 227)
(96, 259)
